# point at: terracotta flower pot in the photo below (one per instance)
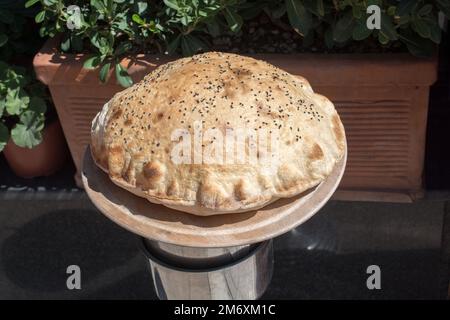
(381, 98)
(44, 159)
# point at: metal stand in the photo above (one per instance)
(180, 273)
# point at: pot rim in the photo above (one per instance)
(355, 69)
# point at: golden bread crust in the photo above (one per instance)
(132, 137)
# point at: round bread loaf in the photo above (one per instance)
(217, 133)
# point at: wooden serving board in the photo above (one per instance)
(160, 223)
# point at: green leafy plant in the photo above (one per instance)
(112, 29)
(22, 107)
(183, 18)
(413, 23)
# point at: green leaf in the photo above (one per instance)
(4, 136)
(387, 27)
(136, 18)
(104, 43)
(298, 16)
(92, 62)
(99, 5)
(191, 45)
(65, 44)
(171, 4)
(29, 3)
(28, 133)
(403, 20)
(95, 40)
(3, 39)
(233, 19)
(202, 13)
(104, 72)
(421, 27)
(344, 28)
(122, 76)
(2, 106)
(43, 31)
(361, 32)
(141, 7)
(16, 101)
(436, 33)
(185, 20)
(426, 9)
(383, 39)
(40, 17)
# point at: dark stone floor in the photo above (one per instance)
(42, 232)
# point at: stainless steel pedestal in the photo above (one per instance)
(179, 273)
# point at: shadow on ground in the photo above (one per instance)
(34, 258)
